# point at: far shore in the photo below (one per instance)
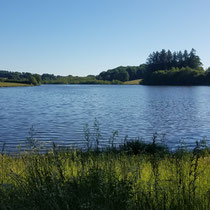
(13, 84)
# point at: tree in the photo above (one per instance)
(194, 60)
(179, 59)
(163, 60)
(32, 80)
(174, 60)
(38, 78)
(141, 71)
(166, 60)
(169, 59)
(48, 77)
(122, 75)
(208, 69)
(132, 72)
(153, 61)
(176, 76)
(185, 58)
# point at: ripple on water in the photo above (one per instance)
(59, 113)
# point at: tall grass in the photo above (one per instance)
(136, 175)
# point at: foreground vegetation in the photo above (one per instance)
(134, 176)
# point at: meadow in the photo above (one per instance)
(136, 175)
(13, 84)
(133, 82)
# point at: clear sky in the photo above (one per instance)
(81, 37)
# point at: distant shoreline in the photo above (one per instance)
(13, 84)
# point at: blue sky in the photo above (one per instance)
(81, 37)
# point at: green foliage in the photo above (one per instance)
(112, 179)
(176, 76)
(164, 68)
(123, 74)
(38, 78)
(166, 60)
(208, 76)
(115, 74)
(136, 147)
(79, 80)
(17, 77)
(137, 175)
(32, 80)
(46, 77)
(141, 71)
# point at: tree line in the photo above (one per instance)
(165, 60)
(161, 68)
(36, 79)
(177, 68)
(20, 77)
(123, 73)
(164, 68)
(178, 76)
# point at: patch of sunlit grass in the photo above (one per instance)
(12, 84)
(109, 180)
(133, 82)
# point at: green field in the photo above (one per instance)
(136, 176)
(12, 84)
(133, 82)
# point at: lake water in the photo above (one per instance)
(59, 113)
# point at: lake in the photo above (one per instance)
(59, 113)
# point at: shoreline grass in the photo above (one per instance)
(13, 84)
(136, 175)
(133, 82)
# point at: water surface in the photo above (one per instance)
(59, 113)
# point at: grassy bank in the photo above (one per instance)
(13, 84)
(133, 82)
(134, 176)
